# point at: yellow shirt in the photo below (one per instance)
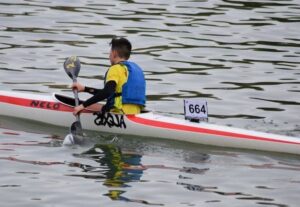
(119, 74)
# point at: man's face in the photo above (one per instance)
(112, 56)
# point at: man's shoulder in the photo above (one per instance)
(116, 70)
(116, 67)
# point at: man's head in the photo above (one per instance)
(120, 50)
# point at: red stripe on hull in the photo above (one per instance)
(39, 104)
(199, 130)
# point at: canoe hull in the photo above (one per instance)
(47, 109)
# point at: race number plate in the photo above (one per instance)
(195, 109)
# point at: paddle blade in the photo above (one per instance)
(69, 140)
(76, 131)
(72, 66)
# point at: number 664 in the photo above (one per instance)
(196, 109)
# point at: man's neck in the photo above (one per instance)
(118, 60)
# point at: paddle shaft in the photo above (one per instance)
(75, 91)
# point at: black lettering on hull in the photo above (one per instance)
(45, 105)
(110, 120)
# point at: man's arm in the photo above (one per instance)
(100, 94)
(91, 90)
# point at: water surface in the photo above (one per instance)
(241, 56)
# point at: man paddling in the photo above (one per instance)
(124, 84)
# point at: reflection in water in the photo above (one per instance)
(237, 195)
(33, 162)
(118, 169)
(117, 195)
(119, 174)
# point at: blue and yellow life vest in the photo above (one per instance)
(134, 90)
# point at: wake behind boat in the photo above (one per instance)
(57, 110)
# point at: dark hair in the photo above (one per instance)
(122, 46)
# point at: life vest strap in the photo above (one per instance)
(117, 94)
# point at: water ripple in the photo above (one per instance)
(241, 56)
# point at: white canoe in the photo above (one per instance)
(48, 109)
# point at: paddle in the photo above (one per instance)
(72, 68)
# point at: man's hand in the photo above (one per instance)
(78, 86)
(78, 109)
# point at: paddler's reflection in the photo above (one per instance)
(119, 167)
